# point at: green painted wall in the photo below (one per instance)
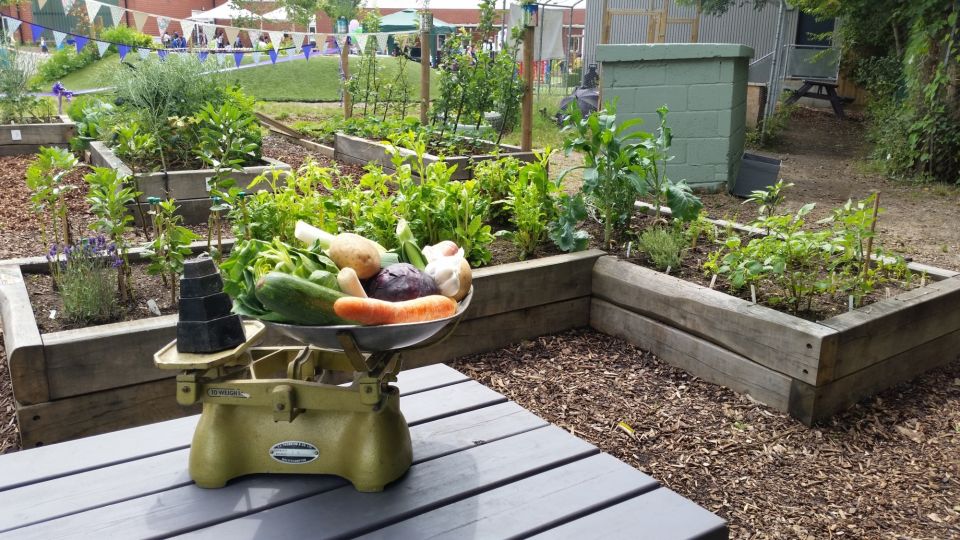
(705, 87)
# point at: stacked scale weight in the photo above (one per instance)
(206, 324)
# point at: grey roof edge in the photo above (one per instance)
(671, 51)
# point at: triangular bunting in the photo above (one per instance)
(362, 41)
(41, 3)
(254, 36)
(123, 50)
(210, 31)
(162, 53)
(275, 39)
(187, 27)
(202, 55)
(140, 19)
(297, 40)
(382, 38)
(67, 6)
(256, 56)
(102, 47)
(232, 32)
(116, 14)
(221, 58)
(307, 49)
(273, 55)
(37, 31)
(321, 42)
(238, 57)
(81, 42)
(11, 25)
(163, 23)
(144, 53)
(58, 37)
(93, 7)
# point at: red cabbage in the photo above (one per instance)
(399, 282)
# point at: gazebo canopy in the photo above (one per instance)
(406, 20)
(230, 11)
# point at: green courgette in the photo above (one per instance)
(298, 300)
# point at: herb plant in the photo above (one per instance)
(170, 246)
(46, 179)
(531, 205)
(663, 246)
(83, 274)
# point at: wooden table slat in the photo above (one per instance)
(658, 515)
(345, 512)
(103, 486)
(530, 505)
(20, 468)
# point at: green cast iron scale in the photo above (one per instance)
(326, 407)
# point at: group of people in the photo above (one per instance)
(200, 40)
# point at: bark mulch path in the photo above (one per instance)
(887, 468)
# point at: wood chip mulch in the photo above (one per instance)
(887, 468)
(9, 431)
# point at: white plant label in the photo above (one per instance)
(15, 135)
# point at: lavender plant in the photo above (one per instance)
(83, 273)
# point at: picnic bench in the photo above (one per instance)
(825, 90)
(483, 467)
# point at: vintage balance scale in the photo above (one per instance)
(326, 407)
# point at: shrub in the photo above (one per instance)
(85, 279)
(125, 35)
(16, 103)
(64, 62)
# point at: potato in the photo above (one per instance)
(466, 279)
(348, 250)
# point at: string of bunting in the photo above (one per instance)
(12, 24)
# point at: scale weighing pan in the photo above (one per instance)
(384, 337)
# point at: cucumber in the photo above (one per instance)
(298, 300)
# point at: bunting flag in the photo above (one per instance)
(123, 50)
(297, 40)
(362, 41)
(140, 19)
(202, 55)
(116, 14)
(210, 31)
(221, 58)
(67, 6)
(187, 28)
(58, 37)
(232, 34)
(306, 51)
(81, 42)
(163, 23)
(93, 7)
(41, 3)
(254, 36)
(37, 31)
(11, 25)
(256, 56)
(273, 55)
(382, 39)
(238, 57)
(162, 53)
(275, 39)
(102, 47)
(144, 53)
(321, 41)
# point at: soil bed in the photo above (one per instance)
(886, 468)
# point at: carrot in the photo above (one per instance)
(370, 311)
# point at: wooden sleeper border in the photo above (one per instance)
(20, 139)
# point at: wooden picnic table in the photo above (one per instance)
(483, 467)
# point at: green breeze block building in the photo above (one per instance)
(705, 87)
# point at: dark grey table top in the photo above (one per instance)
(484, 467)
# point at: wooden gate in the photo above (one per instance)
(657, 21)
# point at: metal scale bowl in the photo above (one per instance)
(323, 408)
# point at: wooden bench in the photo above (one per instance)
(826, 90)
(483, 467)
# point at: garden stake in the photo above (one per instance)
(850, 303)
(713, 281)
(753, 294)
(873, 228)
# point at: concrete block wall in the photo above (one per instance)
(705, 87)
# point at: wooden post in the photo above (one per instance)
(424, 73)
(526, 114)
(345, 67)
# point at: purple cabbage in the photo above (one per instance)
(399, 282)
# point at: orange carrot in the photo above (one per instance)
(370, 311)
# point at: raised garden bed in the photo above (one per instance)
(75, 383)
(18, 139)
(189, 188)
(361, 151)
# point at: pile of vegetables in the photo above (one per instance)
(345, 279)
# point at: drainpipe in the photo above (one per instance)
(772, 84)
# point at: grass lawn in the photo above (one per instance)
(313, 80)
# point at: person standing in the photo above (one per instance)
(43, 45)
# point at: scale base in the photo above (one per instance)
(368, 448)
